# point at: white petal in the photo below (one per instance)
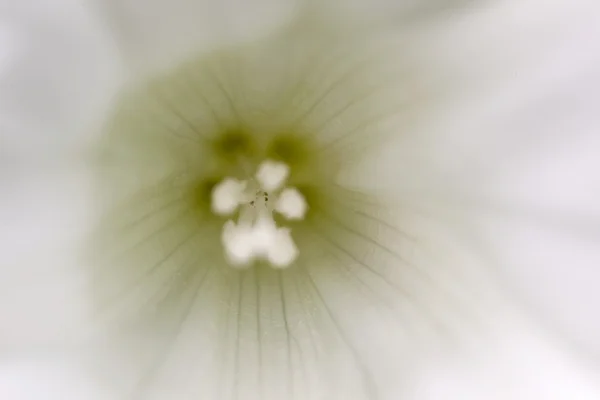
(544, 227)
(407, 11)
(519, 362)
(522, 155)
(544, 222)
(537, 173)
(551, 263)
(364, 301)
(58, 74)
(49, 379)
(479, 109)
(161, 33)
(376, 287)
(45, 214)
(339, 323)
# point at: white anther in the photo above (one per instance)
(239, 244)
(291, 204)
(244, 243)
(271, 175)
(283, 251)
(264, 234)
(227, 196)
(256, 236)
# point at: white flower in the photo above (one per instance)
(281, 202)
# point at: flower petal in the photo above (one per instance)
(376, 283)
(532, 170)
(520, 362)
(523, 159)
(543, 225)
(47, 378)
(408, 11)
(154, 34)
(45, 212)
(57, 79)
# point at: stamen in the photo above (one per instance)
(227, 196)
(271, 175)
(256, 235)
(291, 204)
(283, 251)
(264, 233)
(238, 243)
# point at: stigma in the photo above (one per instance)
(255, 236)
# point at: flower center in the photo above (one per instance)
(255, 235)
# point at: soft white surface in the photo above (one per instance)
(520, 363)
(45, 213)
(58, 72)
(48, 379)
(522, 139)
(533, 365)
(154, 33)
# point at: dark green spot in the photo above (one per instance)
(202, 192)
(233, 144)
(290, 149)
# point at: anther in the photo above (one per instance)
(256, 235)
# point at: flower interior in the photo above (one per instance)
(235, 157)
(232, 213)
